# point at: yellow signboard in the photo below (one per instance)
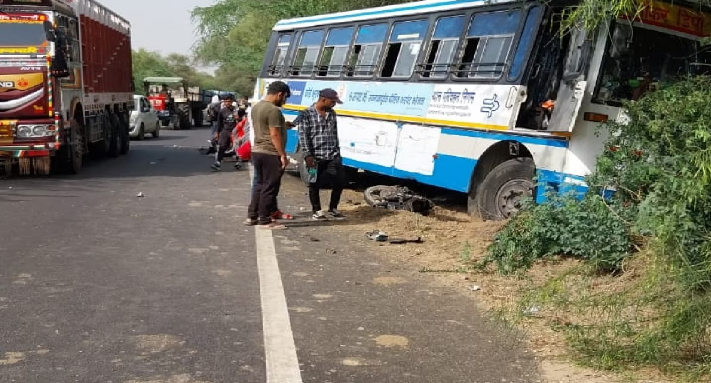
(20, 81)
(676, 18)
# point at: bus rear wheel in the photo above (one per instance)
(503, 190)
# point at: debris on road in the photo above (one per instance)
(400, 241)
(140, 195)
(377, 236)
(397, 198)
(475, 288)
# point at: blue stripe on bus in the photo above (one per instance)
(378, 12)
(450, 172)
(506, 137)
(556, 143)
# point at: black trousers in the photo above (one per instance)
(223, 143)
(329, 171)
(267, 168)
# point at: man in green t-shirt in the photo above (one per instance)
(268, 152)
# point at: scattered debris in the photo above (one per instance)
(331, 251)
(140, 195)
(475, 288)
(314, 239)
(400, 241)
(397, 198)
(377, 236)
(533, 310)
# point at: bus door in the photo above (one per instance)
(572, 88)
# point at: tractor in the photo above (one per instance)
(178, 106)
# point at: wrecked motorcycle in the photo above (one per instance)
(397, 198)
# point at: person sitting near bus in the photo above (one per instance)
(241, 146)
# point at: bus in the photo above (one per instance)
(483, 97)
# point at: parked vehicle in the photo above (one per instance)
(144, 119)
(178, 105)
(65, 84)
(477, 96)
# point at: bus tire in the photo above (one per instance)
(500, 194)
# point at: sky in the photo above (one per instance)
(160, 25)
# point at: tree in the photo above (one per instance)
(147, 63)
(153, 64)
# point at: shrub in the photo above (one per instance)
(590, 229)
(659, 163)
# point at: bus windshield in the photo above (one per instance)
(641, 59)
(21, 34)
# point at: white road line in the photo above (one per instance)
(282, 364)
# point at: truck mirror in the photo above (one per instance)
(49, 31)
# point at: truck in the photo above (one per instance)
(179, 106)
(66, 86)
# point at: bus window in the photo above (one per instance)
(488, 44)
(443, 46)
(640, 59)
(366, 51)
(335, 52)
(403, 48)
(280, 55)
(307, 53)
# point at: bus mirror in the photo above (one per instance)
(49, 31)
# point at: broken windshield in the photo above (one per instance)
(641, 60)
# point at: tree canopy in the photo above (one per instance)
(147, 63)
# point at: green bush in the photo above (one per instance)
(588, 228)
(659, 163)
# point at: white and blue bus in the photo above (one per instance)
(478, 96)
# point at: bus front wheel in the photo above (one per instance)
(503, 190)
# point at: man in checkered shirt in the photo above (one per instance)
(318, 135)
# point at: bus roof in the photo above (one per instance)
(406, 9)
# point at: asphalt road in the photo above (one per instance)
(100, 285)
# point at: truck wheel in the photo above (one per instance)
(114, 140)
(500, 194)
(70, 157)
(184, 116)
(124, 138)
(105, 145)
(76, 149)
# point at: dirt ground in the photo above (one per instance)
(451, 239)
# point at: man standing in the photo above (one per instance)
(318, 135)
(268, 152)
(212, 111)
(226, 122)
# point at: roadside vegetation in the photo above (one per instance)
(659, 164)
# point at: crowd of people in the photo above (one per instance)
(257, 133)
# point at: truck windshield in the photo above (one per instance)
(21, 34)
